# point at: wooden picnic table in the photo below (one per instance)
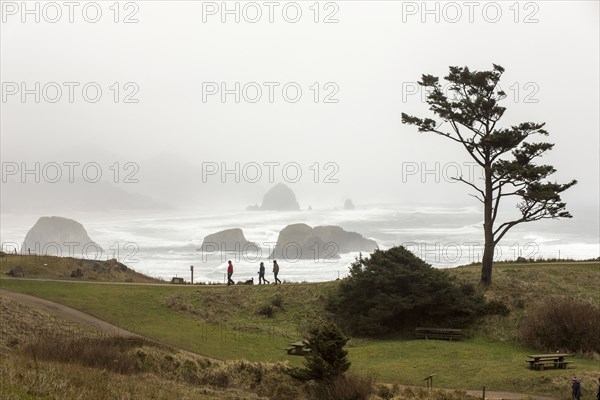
(299, 348)
(556, 360)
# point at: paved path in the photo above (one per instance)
(74, 315)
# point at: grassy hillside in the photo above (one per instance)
(521, 286)
(52, 267)
(234, 323)
(45, 357)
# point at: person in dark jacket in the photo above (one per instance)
(261, 274)
(576, 389)
(229, 273)
(276, 271)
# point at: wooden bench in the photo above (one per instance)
(440, 333)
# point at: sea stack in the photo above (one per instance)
(300, 241)
(60, 236)
(278, 198)
(232, 240)
(348, 205)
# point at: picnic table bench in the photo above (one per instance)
(440, 333)
(299, 348)
(540, 361)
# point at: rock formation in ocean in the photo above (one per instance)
(278, 198)
(348, 205)
(60, 236)
(232, 240)
(300, 241)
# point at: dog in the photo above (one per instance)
(249, 282)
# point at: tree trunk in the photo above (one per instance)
(488, 230)
(486, 264)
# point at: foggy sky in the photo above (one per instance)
(371, 54)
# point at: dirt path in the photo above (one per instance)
(67, 313)
(507, 395)
(102, 326)
(74, 315)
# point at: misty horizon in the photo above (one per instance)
(187, 112)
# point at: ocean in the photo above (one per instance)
(166, 244)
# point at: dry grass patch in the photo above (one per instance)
(53, 267)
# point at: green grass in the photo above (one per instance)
(222, 322)
(470, 364)
(231, 330)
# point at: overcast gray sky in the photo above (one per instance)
(179, 52)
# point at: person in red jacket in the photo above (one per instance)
(229, 273)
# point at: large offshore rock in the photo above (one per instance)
(300, 241)
(60, 236)
(278, 198)
(349, 205)
(232, 240)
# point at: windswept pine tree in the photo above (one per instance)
(470, 115)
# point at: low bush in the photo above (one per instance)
(562, 324)
(110, 353)
(385, 392)
(266, 310)
(349, 387)
(394, 290)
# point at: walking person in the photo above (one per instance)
(576, 389)
(261, 274)
(229, 273)
(276, 271)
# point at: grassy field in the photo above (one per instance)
(45, 357)
(216, 321)
(230, 323)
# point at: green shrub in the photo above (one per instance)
(564, 325)
(385, 391)
(395, 290)
(328, 357)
